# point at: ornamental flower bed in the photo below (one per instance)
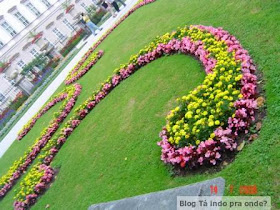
(88, 60)
(207, 120)
(41, 174)
(220, 109)
(20, 166)
(200, 130)
(34, 119)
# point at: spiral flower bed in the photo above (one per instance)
(229, 89)
(84, 65)
(199, 131)
(20, 166)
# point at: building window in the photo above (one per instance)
(21, 64)
(46, 3)
(68, 24)
(8, 28)
(33, 9)
(59, 34)
(1, 44)
(34, 53)
(84, 6)
(2, 97)
(21, 18)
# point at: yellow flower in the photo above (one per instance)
(188, 115)
(211, 123)
(205, 113)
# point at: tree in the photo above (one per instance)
(39, 62)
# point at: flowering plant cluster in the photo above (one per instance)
(72, 42)
(32, 122)
(84, 65)
(20, 166)
(208, 120)
(39, 178)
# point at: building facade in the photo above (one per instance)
(27, 28)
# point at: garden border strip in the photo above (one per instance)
(88, 62)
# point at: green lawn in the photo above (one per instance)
(126, 124)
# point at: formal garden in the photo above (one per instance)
(175, 93)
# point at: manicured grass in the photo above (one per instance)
(126, 124)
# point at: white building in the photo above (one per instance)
(20, 17)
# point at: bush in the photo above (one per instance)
(18, 102)
(73, 41)
(96, 17)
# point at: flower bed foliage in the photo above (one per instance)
(209, 119)
(5, 116)
(83, 66)
(32, 122)
(9, 112)
(20, 166)
(72, 42)
(198, 131)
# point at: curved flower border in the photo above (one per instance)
(34, 119)
(88, 60)
(19, 167)
(211, 150)
(187, 156)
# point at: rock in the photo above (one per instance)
(240, 147)
(225, 163)
(260, 101)
(258, 126)
(163, 200)
(47, 206)
(253, 137)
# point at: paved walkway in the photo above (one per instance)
(11, 136)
